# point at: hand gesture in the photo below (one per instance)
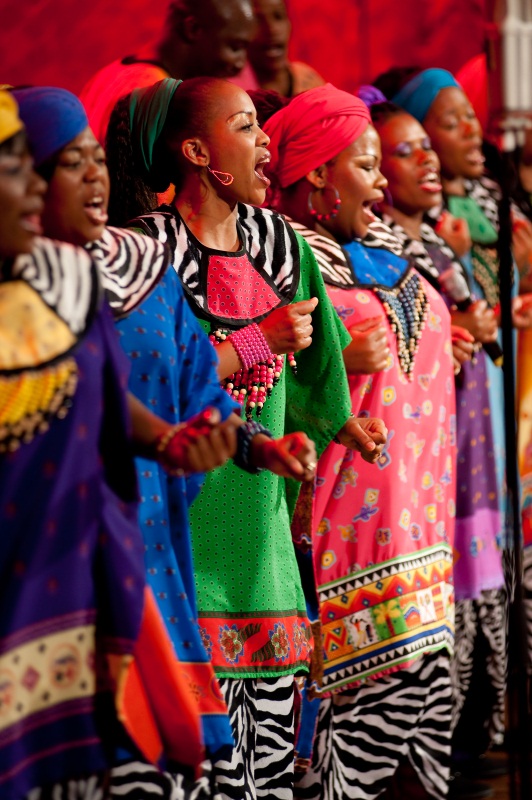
(463, 347)
(293, 456)
(522, 244)
(480, 320)
(365, 434)
(369, 351)
(522, 311)
(202, 444)
(289, 329)
(455, 232)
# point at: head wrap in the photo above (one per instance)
(313, 128)
(52, 118)
(418, 94)
(10, 124)
(370, 95)
(148, 108)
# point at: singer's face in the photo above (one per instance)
(456, 134)
(410, 165)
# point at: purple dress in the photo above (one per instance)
(71, 555)
(477, 558)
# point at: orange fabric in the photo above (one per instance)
(157, 705)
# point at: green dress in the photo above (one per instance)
(251, 607)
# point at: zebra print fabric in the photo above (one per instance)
(130, 267)
(270, 244)
(365, 734)
(66, 279)
(262, 718)
(331, 260)
(133, 780)
(478, 671)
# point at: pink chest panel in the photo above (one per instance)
(235, 290)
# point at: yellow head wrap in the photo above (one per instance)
(10, 124)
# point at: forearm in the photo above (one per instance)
(146, 428)
(228, 360)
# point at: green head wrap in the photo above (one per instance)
(148, 108)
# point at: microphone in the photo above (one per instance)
(455, 286)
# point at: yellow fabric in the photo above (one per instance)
(31, 334)
(10, 124)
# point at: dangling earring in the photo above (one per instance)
(224, 177)
(334, 210)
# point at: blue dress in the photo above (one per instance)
(173, 372)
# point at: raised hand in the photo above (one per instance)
(369, 351)
(463, 347)
(455, 232)
(522, 311)
(289, 329)
(366, 434)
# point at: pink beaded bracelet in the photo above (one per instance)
(250, 345)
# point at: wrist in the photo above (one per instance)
(259, 447)
(247, 450)
(161, 446)
(342, 432)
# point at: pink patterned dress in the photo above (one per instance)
(382, 539)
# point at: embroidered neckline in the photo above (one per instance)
(267, 240)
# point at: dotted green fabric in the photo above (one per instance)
(244, 559)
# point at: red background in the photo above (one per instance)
(347, 41)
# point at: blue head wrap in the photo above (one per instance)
(52, 118)
(148, 108)
(417, 96)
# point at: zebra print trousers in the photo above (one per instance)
(262, 763)
(262, 718)
(478, 672)
(133, 780)
(365, 734)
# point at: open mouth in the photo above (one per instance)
(96, 210)
(475, 157)
(367, 209)
(430, 182)
(259, 170)
(31, 223)
(274, 51)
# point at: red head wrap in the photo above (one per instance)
(313, 128)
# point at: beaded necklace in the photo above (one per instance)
(406, 307)
(251, 387)
(400, 290)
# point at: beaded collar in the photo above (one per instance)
(267, 240)
(48, 300)
(375, 264)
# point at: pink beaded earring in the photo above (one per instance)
(225, 178)
(334, 210)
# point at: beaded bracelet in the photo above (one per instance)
(161, 446)
(250, 345)
(244, 436)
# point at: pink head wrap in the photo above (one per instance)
(313, 128)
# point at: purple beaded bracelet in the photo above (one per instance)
(250, 345)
